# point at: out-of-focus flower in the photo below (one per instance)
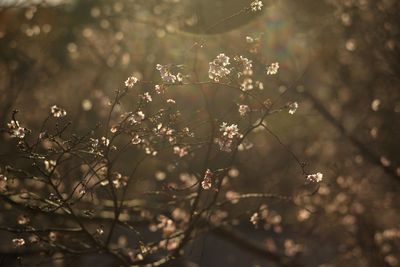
(119, 180)
(255, 219)
(181, 151)
(19, 242)
(147, 97)
(49, 165)
(273, 68)
(256, 5)
(247, 84)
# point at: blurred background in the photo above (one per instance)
(339, 59)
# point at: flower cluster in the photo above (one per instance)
(243, 110)
(229, 133)
(273, 68)
(166, 74)
(246, 64)
(131, 81)
(207, 180)
(315, 178)
(218, 68)
(16, 130)
(58, 112)
(256, 5)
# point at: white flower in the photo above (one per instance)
(256, 5)
(166, 74)
(58, 112)
(243, 110)
(207, 180)
(19, 242)
(105, 141)
(255, 219)
(131, 81)
(249, 39)
(170, 101)
(137, 117)
(159, 89)
(179, 77)
(273, 68)
(316, 177)
(119, 180)
(218, 68)
(247, 84)
(260, 85)
(293, 107)
(16, 130)
(181, 151)
(147, 97)
(49, 165)
(136, 140)
(247, 64)
(224, 144)
(229, 131)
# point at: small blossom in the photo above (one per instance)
(246, 63)
(249, 39)
(260, 85)
(218, 68)
(256, 5)
(147, 97)
(273, 68)
(243, 110)
(207, 180)
(170, 101)
(137, 117)
(49, 165)
(166, 74)
(136, 140)
(181, 151)
(119, 180)
(179, 77)
(3, 183)
(166, 225)
(114, 129)
(100, 230)
(159, 89)
(23, 219)
(105, 141)
(131, 81)
(247, 84)
(53, 236)
(16, 130)
(315, 178)
(255, 219)
(19, 242)
(229, 131)
(224, 144)
(58, 112)
(293, 107)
